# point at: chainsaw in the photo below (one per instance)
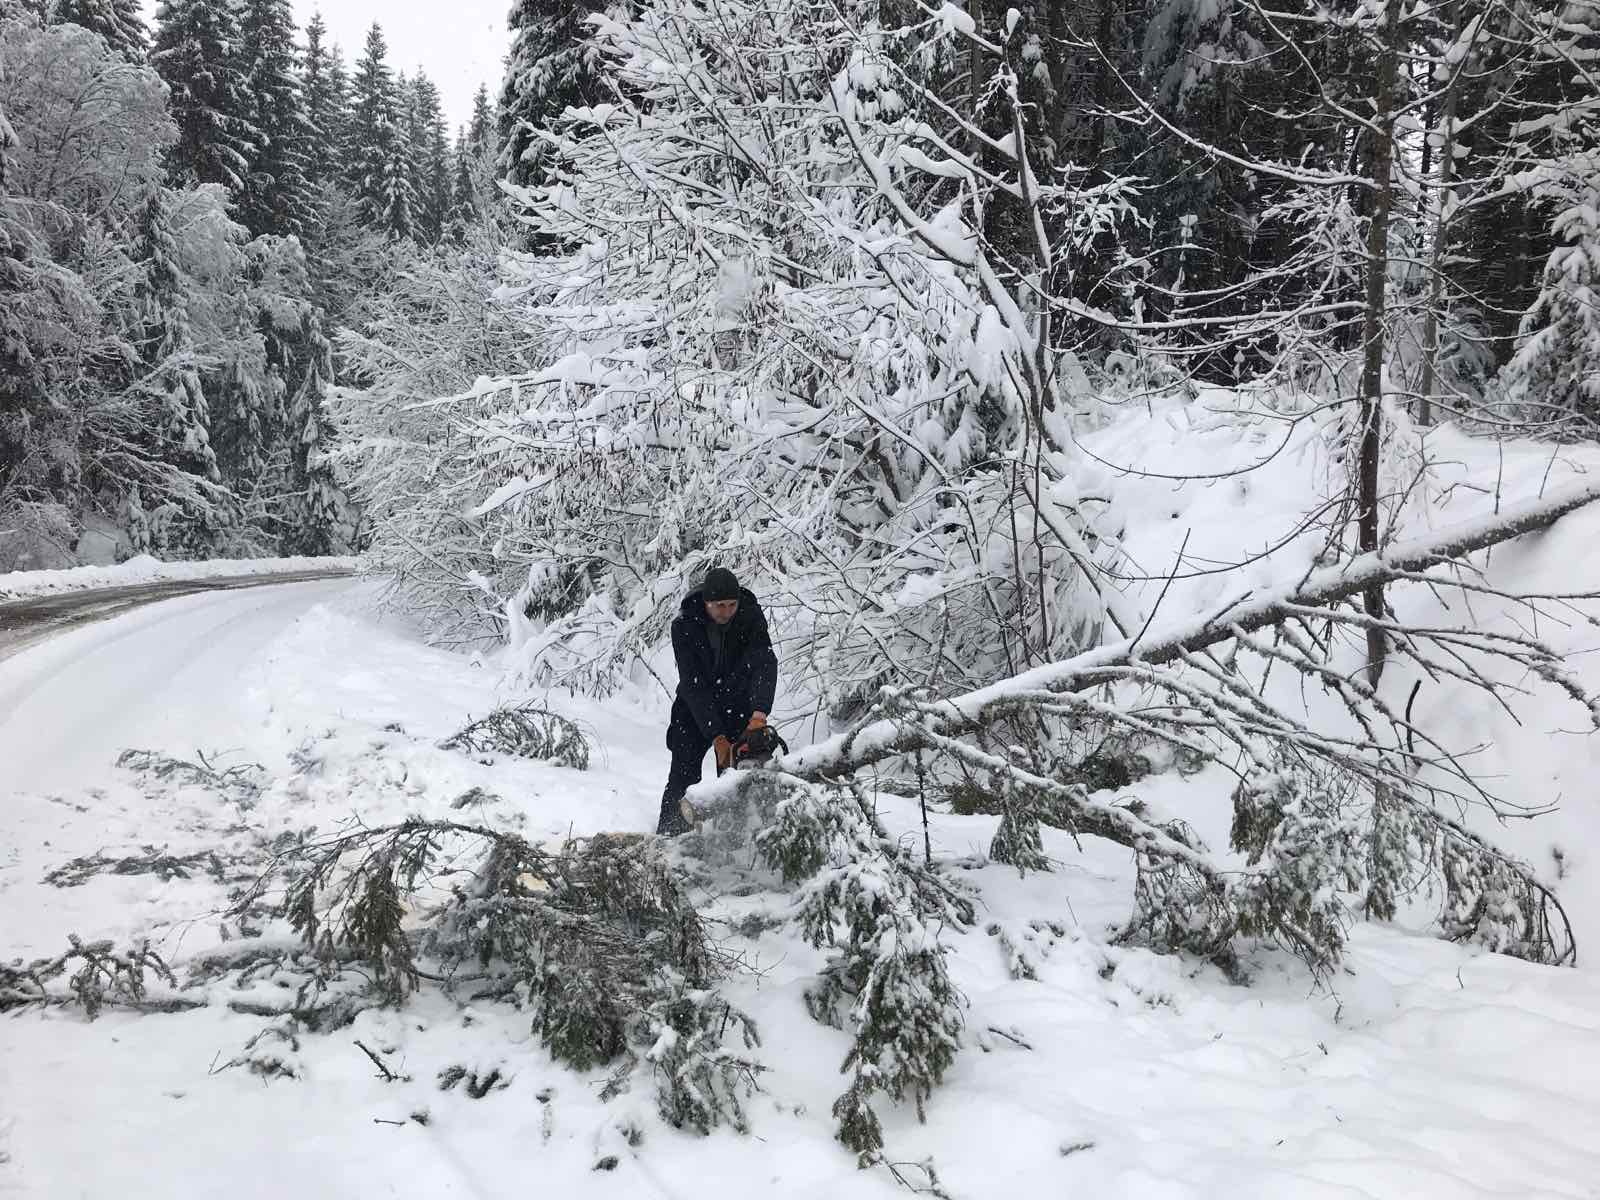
(752, 752)
(757, 747)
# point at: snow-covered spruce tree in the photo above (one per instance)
(310, 514)
(196, 51)
(464, 193)
(428, 141)
(276, 195)
(119, 22)
(1527, 104)
(202, 294)
(317, 518)
(399, 217)
(1555, 376)
(473, 172)
(146, 387)
(349, 260)
(22, 378)
(377, 159)
(88, 130)
(231, 337)
(345, 254)
(551, 66)
(323, 86)
(168, 341)
(328, 230)
(480, 129)
(1553, 379)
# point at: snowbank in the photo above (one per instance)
(14, 585)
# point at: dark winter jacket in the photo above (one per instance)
(722, 690)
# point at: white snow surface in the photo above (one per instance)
(1421, 1070)
(15, 585)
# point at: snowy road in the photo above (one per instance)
(344, 709)
(26, 622)
(145, 677)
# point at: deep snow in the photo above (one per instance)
(1425, 1069)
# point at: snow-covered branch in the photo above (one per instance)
(1176, 641)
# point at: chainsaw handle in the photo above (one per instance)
(773, 739)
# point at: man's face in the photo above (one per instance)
(721, 611)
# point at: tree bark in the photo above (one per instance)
(977, 79)
(1441, 231)
(1373, 341)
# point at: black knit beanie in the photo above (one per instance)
(719, 584)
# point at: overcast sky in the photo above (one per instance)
(459, 43)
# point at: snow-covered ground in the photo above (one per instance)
(1424, 1069)
(14, 585)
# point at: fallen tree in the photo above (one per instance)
(1331, 822)
(599, 942)
(1313, 596)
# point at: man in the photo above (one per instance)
(727, 674)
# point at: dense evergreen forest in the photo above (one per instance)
(207, 224)
(189, 217)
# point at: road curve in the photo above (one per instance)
(32, 619)
(175, 671)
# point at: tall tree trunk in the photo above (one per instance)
(1060, 79)
(1372, 332)
(1444, 203)
(1102, 86)
(977, 75)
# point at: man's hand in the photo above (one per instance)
(724, 751)
(757, 721)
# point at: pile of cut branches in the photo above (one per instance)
(527, 731)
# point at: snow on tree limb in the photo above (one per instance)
(962, 714)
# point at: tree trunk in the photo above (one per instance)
(1060, 78)
(1372, 333)
(977, 77)
(1102, 86)
(1441, 230)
